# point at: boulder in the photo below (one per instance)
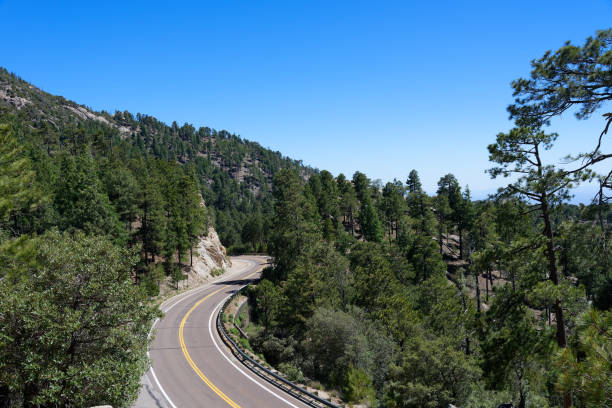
(209, 255)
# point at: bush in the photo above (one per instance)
(245, 343)
(234, 331)
(150, 286)
(82, 295)
(239, 249)
(216, 272)
(358, 386)
(151, 279)
(176, 274)
(292, 372)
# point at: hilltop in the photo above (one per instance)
(235, 174)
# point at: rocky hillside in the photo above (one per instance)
(245, 161)
(211, 255)
(235, 174)
(209, 260)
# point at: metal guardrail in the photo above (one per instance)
(273, 378)
(237, 314)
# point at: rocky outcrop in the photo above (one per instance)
(209, 256)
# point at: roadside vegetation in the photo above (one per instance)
(389, 295)
(401, 299)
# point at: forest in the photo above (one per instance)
(400, 299)
(234, 175)
(392, 296)
(96, 211)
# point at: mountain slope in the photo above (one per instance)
(235, 175)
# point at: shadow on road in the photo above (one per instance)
(241, 282)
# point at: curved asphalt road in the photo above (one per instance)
(191, 367)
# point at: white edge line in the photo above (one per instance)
(214, 313)
(153, 371)
(161, 388)
(188, 294)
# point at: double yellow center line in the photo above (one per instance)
(188, 357)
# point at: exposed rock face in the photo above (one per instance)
(211, 255)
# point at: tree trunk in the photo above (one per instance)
(487, 286)
(460, 243)
(467, 338)
(477, 292)
(145, 243)
(554, 277)
(522, 401)
(553, 273)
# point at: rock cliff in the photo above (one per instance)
(209, 255)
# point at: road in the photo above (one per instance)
(191, 367)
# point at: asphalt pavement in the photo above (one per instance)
(191, 366)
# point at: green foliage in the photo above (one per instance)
(343, 340)
(80, 200)
(292, 372)
(73, 328)
(431, 373)
(370, 223)
(234, 174)
(368, 292)
(152, 279)
(176, 274)
(17, 189)
(481, 397)
(269, 300)
(514, 352)
(358, 387)
(245, 343)
(586, 368)
(216, 272)
(293, 228)
(422, 255)
(570, 76)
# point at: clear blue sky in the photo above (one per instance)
(380, 86)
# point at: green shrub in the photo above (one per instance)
(358, 386)
(176, 274)
(245, 343)
(153, 275)
(292, 372)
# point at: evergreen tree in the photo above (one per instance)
(80, 200)
(293, 228)
(16, 177)
(572, 77)
(393, 205)
(413, 184)
(371, 226)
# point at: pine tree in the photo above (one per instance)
(294, 227)
(81, 201)
(17, 179)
